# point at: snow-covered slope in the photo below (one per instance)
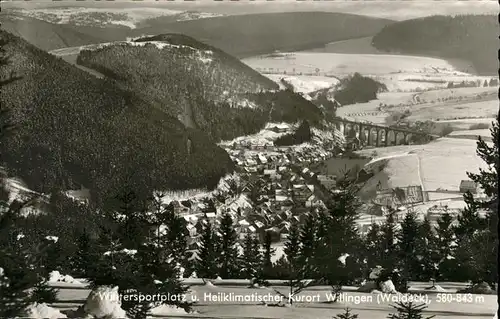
(101, 17)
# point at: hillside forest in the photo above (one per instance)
(473, 38)
(74, 129)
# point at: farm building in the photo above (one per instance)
(468, 186)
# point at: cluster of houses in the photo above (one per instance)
(273, 189)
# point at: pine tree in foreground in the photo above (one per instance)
(373, 246)
(477, 236)
(487, 180)
(342, 261)
(427, 252)
(16, 275)
(408, 252)
(269, 251)
(43, 293)
(207, 266)
(409, 310)
(148, 266)
(251, 260)
(85, 257)
(295, 280)
(445, 247)
(346, 315)
(228, 255)
(307, 250)
(389, 238)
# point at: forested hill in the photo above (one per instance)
(74, 129)
(470, 37)
(199, 84)
(253, 34)
(240, 35)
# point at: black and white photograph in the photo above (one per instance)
(249, 159)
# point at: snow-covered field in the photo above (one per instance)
(416, 83)
(461, 103)
(485, 134)
(305, 83)
(449, 111)
(370, 111)
(399, 171)
(455, 93)
(128, 17)
(265, 135)
(442, 163)
(344, 64)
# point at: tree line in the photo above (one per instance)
(357, 88)
(469, 37)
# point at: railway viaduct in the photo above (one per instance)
(378, 135)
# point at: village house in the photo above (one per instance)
(279, 128)
(301, 192)
(251, 162)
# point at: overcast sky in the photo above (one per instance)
(392, 9)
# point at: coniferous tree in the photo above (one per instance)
(43, 293)
(342, 238)
(407, 248)
(16, 275)
(477, 236)
(321, 248)
(346, 315)
(176, 232)
(85, 257)
(389, 238)
(53, 256)
(427, 252)
(373, 246)
(228, 254)
(295, 270)
(469, 221)
(207, 266)
(145, 267)
(269, 251)
(445, 246)
(487, 180)
(251, 260)
(292, 246)
(307, 252)
(409, 310)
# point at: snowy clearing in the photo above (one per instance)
(458, 154)
(127, 17)
(450, 111)
(472, 134)
(305, 83)
(343, 64)
(392, 175)
(265, 135)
